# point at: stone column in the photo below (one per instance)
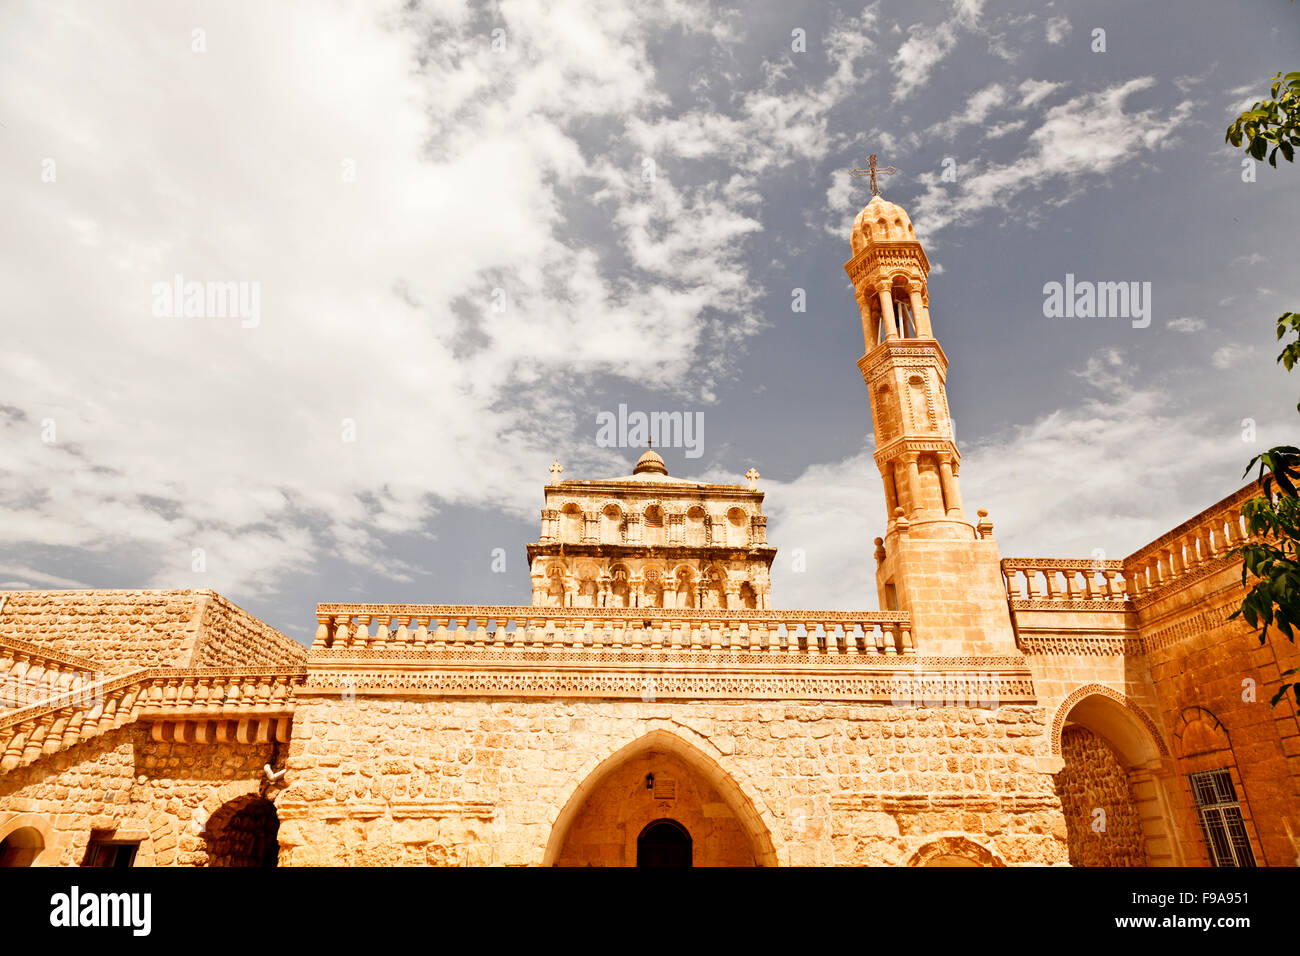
(919, 312)
(951, 492)
(887, 309)
(864, 307)
(913, 481)
(891, 494)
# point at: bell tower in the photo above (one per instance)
(932, 562)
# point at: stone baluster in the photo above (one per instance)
(59, 726)
(72, 732)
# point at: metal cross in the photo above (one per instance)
(871, 171)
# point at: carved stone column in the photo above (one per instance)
(887, 308)
(951, 492)
(920, 314)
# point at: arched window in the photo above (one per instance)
(695, 534)
(611, 525)
(654, 526)
(570, 523)
(904, 320)
(618, 588)
(737, 528)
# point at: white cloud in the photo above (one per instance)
(1231, 354)
(1250, 259)
(981, 103)
(927, 45)
(1058, 28)
(1185, 323)
(1032, 91)
(376, 294)
(1113, 472)
(1088, 135)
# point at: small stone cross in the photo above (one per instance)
(871, 171)
(556, 470)
(753, 477)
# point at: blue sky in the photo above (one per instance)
(461, 260)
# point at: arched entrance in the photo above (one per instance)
(243, 832)
(1111, 789)
(660, 779)
(21, 847)
(663, 843)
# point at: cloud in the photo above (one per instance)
(927, 45)
(1185, 323)
(1112, 472)
(978, 107)
(1058, 28)
(431, 313)
(1032, 91)
(1088, 135)
(1249, 259)
(1231, 354)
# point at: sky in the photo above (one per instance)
(456, 235)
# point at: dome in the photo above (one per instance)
(650, 462)
(879, 221)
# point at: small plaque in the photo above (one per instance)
(665, 789)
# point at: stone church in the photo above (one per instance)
(652, 707)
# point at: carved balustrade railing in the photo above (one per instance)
(429, 627)
(1197, 544)
(212, 703)
(1064, 579)
(32, 672)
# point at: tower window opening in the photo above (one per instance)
(903, 317)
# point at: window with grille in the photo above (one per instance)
(111, 853)
(1221, 823)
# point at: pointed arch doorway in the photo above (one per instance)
(664, 844)
(659, 801)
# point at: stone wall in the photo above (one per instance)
(1093, 780)
(1199, 659)
(231, 637)
(126, 630)
(390, 780)
(128, 786)
(121, 630)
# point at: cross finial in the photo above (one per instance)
(871, 171)
(556, 470)
(753, 477)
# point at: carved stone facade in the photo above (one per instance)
(651, 707)
(654, 541)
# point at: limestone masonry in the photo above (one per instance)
(652, 707)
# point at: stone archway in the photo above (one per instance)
(1112, 783)
(26, 840)
(243, 832)
(660, 777)
(954, 850)
(21, 847)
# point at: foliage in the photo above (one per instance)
(1274, 122)
(1270, 556)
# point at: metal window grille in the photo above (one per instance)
(1221, 823)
